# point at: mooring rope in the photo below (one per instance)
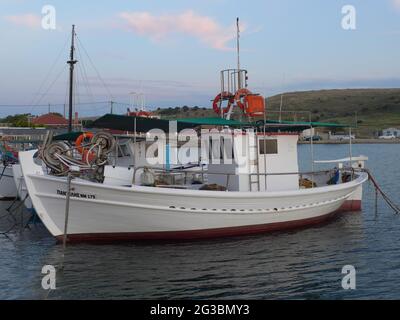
(10, 214)
(385, 197)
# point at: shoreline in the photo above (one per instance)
(354, 141)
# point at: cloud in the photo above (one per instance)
(27, 20)
(396, 4)
(160, 27)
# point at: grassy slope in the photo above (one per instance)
(376, 108)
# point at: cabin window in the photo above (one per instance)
(221, 149)
(215, 149)
(268, 146)
(227, 148)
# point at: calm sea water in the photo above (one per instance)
(303, 264)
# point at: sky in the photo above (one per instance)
(172, 51)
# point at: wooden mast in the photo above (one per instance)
(71, 63)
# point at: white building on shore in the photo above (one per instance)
(391, 132)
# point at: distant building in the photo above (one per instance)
(50, 120)
(391, 131)
(20, 134)
(340, 137)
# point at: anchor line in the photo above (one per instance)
(385, 197)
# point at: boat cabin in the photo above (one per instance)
(254, 161)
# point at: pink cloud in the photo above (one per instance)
(159, 27)
(27, 20)
(396, 4)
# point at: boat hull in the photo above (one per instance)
(99, 212)
(19, 181)
(8, 189)
(199, 234)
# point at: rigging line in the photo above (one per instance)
(49, 72)
(65, 100)
(29, 105)
(49, 88)
(60, 104)
(94, 67)
(84, 73)
(81, 78)
(76, 90)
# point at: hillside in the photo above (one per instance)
(374, 109)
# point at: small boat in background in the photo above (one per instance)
(8, 157)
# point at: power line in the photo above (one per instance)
(49, 88)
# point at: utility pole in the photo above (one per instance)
(71, 63)
(112, 104)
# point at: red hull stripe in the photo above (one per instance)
(351, 205)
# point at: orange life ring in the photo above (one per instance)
(238, 97)
(86, 155)
(80, 139)
(223, 95)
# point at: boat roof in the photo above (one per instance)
(143, 124)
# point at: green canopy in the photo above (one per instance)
(71, 136)
(142, 124)
(136, 124)
(213, 122)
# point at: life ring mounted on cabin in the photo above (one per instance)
(87, 155)
(239, 95)
(251, 104)
(223, 96)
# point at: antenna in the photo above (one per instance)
(238, 50)
(280, 108)
(281, 104)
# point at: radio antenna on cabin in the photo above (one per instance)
(238, 51)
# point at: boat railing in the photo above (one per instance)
(228, 175)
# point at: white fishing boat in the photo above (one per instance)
(251, 183)
(257, 198)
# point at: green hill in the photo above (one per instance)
(373, 109)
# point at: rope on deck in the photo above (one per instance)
(385, 197)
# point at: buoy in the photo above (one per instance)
(221, 96)
(238, 97)
(87, 156)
